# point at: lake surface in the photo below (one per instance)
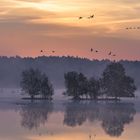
(67, 120)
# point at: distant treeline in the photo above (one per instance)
(55, 67)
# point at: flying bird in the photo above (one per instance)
(96, 51)
(114, 55)
(91, 50)
(89, 136)
(92, 16)
(80, 17)
(41, 51)
(109, 53)
(53, 51)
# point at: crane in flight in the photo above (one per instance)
(80, 18)
(92, 16)
(109, 53)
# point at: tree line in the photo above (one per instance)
(12, 67)
(113, 83)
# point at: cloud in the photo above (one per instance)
(27, 39)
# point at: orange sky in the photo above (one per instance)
(27, 26)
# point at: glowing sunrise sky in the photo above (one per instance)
(27, 26)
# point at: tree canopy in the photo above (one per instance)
(115, 82)
(35, 83)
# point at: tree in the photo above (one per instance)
(72, 85)
(46, 89)
(82, 85)
(31, 82)
(76, 84)
(93, 88)
(115, 83)
(79, 86)
(35, 83)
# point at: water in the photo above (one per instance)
(67, 120)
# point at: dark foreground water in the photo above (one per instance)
(67, 120)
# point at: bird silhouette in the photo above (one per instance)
(80, 17)
(96, 51)
(91, 50)
(89, 136)
(114, 55)
(92, 16)
(109, 53)
(53, 51)
(41, 51)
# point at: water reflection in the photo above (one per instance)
(113, 116)
(33, 115)
(116, 116)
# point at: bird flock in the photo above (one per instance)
(109, 53)
(133, 28)
(89, 17)
(92, 50)
(42, 51)
(127, 28)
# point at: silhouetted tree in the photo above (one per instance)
(82, 85)
(72, 85)
(46, 89)
(93, 88)
(31, 82)
(115, 83)
(35, 83)
(76, 84)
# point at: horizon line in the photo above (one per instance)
(75, 57)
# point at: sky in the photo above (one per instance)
(28, 26)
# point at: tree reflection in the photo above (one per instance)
(113, 116)
(33, 115)
(117, 115)
(75, 114)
